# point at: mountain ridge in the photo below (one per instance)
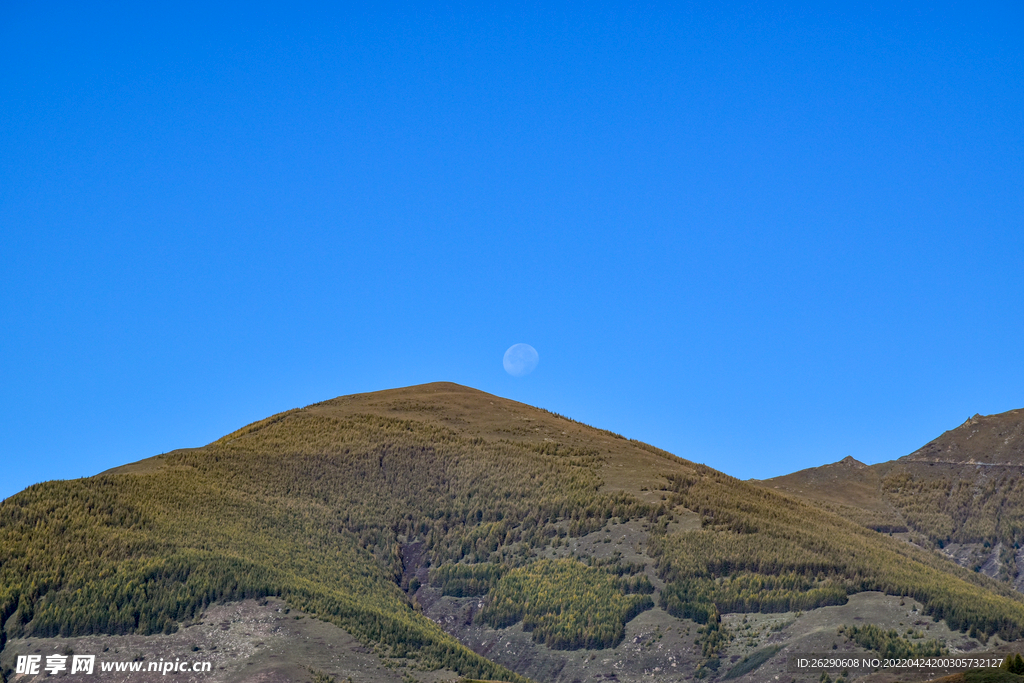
(981, 439)
(391, 514)
(961, 493)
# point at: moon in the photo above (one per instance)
(520, 359)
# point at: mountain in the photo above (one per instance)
(961, 494)
(982, 439)
(437, 531)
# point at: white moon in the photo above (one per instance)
(520, 359)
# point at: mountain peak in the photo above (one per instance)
(983, 439)
(850, 461)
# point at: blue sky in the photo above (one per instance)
(763, 237)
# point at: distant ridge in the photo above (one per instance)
(981, 439)
(848, 487)
(962, 493)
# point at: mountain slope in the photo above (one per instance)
(962, 493)
(356, 508)
(982, 439)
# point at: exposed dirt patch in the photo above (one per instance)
(246, 641)
(814, 632)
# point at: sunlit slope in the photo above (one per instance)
(318, 504)
(964, 487)
(848, 487)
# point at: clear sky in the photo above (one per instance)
(762, 237)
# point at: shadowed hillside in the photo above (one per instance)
(345, 509)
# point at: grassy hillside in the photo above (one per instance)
(758, 551)
(965, 487)
(319, 505)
